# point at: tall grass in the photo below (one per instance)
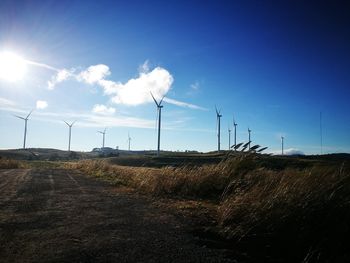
(289, 210)
(11, 164)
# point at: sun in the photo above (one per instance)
(12, 66)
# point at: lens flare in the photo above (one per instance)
(12, 67)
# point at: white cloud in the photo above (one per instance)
(195, 86)
(293, 151)
(41, 104)
(290, 151)
(94, 74)
(144, 68)
(60, 76)
(135, 91)
(6, 102)
(102, 109)
(183, 104)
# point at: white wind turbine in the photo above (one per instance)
(129, 140)
(235, 129)
(229, 137)
(249, 141)
(103, 137)
(70, 133)
(159, 109)
(282, 142)
(218, 116)
(25, 127)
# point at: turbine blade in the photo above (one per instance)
(29, 114)
(217, 124)
(66, 123)
(160, 103)
(73, 123)
(19, 117)
(155, 101)
(156, 124)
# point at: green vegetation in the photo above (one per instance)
(280, 208)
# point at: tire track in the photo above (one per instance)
(82, 190)
(10, 182)
(51, 192)
(61, 215)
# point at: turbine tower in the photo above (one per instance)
(282, 142)
(103, 138)
(129, 139)
(235, 126)
(25, 127)
(249, 131)
(218, 116)
(159, 109)
(321, 137)
(70, 133)
(229, 138)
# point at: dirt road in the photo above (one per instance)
(56, 215)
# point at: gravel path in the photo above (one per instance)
(57, 215)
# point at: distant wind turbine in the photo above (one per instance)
(229, 138)
(129, 139)
(249, 141)
(70, 133)
(25, 127)
(235, 127)
(104, 134)
(321, 135)
(282, 142)
(159, 109)
(218, 116)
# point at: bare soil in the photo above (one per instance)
(58, 215)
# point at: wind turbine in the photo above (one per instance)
(129, 139)
(25, 127)
(229, 138)
(70, 133)
(104, 134)
(159, 109)
(282, 142)
(249, 141)
(235, 126)
(321, 137)
(218, 116)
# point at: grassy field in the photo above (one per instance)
(274, 209)
(282, 209)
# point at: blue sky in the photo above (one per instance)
(274, 65)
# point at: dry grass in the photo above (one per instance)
(11, 164)
(288, 211)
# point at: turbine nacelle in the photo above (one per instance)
(69, 125)
(102, 132)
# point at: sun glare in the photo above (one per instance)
(12, 67)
